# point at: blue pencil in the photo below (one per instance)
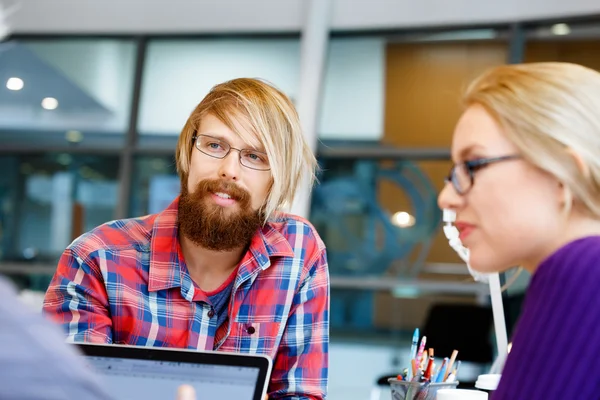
(440, 377)
(415, 344)
(442, 371)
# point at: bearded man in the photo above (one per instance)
(223, 267)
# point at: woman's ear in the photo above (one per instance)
(584, 169)
(580, 162)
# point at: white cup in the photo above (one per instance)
(488, 382)
(461, 394)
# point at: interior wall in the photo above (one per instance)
(422, 104)
(584, 52)
(422, 98)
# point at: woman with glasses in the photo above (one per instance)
(526, 191)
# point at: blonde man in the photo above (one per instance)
(222, 267)
(526, 191)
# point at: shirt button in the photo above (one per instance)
(211, 313)
(250, 330)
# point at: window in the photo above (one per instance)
(58, 93)
(179, 74)
(48, 200)
(155, 184)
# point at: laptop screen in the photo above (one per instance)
(132, 379)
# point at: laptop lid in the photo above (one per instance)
(134, 372)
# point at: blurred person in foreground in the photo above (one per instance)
(223, 267)
(37, 364)
(526, 191)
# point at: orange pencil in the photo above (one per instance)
(450, 364)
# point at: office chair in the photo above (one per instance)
(467, 328)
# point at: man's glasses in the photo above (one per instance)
(217, 148)
(462, 176)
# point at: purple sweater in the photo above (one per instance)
(556, 346)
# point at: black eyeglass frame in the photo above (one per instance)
(471, 167)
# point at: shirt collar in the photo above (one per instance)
(165, 270)
(165, 265)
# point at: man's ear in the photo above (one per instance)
(580, 162)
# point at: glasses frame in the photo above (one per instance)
(472, 167)
(229, 147)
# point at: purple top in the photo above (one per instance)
(556, 347)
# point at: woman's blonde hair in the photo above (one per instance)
(264, 117)
(549, 110)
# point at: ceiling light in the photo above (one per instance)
(560, 29)
(403, 219)
(50, 103)
(74, 136)
(64, 159)
(14, 83)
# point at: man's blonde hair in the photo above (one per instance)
(254, 106)
(549, 110)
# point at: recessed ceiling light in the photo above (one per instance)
(50, 103)
(74, 136)
(560, 29)
(14, 83)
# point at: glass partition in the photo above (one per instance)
(65, 92)
(47, 200)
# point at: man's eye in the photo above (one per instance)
(214, 145)
(256, 157)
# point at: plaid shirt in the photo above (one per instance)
(126, 282)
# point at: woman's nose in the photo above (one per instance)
(449, 198)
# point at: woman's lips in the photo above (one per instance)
(465, 229)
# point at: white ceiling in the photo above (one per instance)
(207, 16)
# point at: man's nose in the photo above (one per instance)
(230, 166)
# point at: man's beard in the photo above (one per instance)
(212, 226)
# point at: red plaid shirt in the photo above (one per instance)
(125, 282)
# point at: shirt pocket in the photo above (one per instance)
(254, 338)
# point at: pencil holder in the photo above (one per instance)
(404, 390)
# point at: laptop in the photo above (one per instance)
(149, 373)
